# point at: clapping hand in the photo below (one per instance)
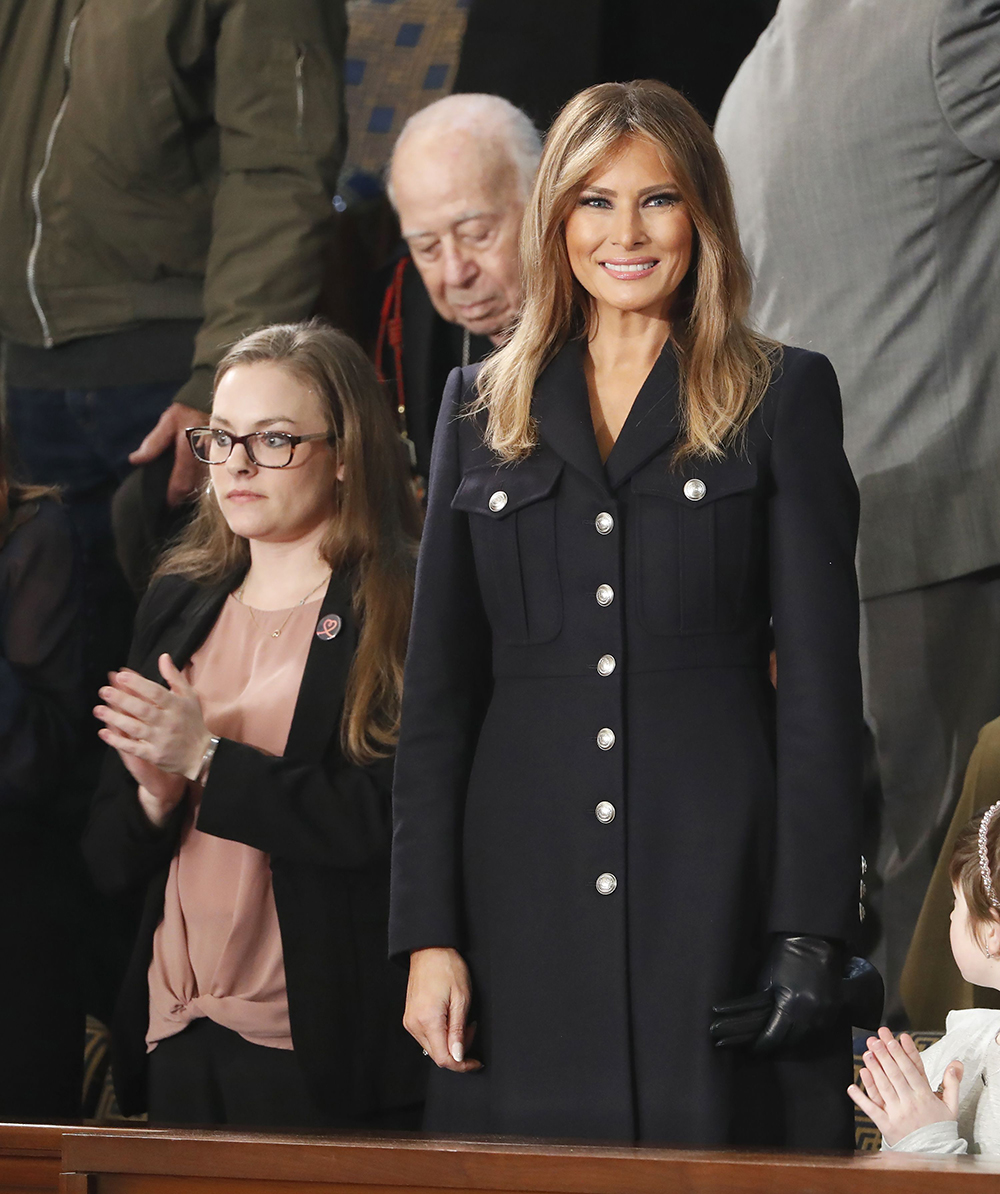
(899, 1098)
(159, 733)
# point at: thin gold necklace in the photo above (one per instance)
(277, 633)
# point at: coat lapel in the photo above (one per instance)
(562, 407)
(652, 423)
(324, 680)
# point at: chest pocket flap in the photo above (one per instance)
(697, 483)
(514, 541)
(498, 492)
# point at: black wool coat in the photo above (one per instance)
(325, 822)
(600, 800)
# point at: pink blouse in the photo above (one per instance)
(217, 951)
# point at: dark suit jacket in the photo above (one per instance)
(599, 797)
(431, 348)
(325, 824)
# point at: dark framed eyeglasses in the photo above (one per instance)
(268, 449)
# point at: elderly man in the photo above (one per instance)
(459, 177)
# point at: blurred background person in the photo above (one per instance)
(249, 790)
(863, 140)
(41, 1001)
(167, 184)
(460, 173)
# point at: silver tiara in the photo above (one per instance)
(984, 856)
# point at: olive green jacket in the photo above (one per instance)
(166, 159)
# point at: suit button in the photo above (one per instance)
(605, 812)
(605, 523)
(499, 500)
(605, 594)
(606, 883)
(606, 665)
(694, 490)
(605, 738)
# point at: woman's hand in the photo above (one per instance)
(437, 1003)
(899, 1098)
(160, 726)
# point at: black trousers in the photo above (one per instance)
(208, 1074)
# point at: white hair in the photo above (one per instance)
(488, 118)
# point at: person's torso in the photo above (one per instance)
(870, 227)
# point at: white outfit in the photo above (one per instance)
(970, 1037)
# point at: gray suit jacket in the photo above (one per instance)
(863, 138)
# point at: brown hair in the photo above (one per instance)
(18, 501)
(966, 874)
(374, 532)
(725, 368)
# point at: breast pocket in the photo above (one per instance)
(512, 519)
(695, 535)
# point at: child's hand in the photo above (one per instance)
(899, 1098)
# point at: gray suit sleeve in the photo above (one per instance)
(965, 61)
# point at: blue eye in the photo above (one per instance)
(221, 438)
(667, 199)
(596, 201)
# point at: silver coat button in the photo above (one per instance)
(605, 523)
(605, 594)
(606, 665)
(605, 738)
(606, 883)
(499, 500)
(605, 812)
(694, 490)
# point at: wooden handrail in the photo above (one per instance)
(378, 1163)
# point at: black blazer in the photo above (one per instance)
(324, 822)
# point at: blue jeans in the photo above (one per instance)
(80, 440)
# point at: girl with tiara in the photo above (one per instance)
(947, 1099)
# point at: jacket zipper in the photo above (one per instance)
(37, 189)
(300, 94)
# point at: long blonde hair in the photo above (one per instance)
(725, 368)
(374, 532)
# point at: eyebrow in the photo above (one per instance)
(260, 422)
(661, 186)
(463, 218)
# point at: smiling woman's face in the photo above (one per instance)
(274, 505)
(629, 236)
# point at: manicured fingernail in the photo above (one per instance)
(457, 1052)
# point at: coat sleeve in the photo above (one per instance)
(812, 527)
(41, 680)
(122, 847)
(965, 60)
(279, 108)
(446, 688)
(334, 814)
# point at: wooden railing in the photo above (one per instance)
(140, 1160)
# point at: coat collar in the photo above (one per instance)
(562, 408)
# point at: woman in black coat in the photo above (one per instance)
(258, 990)
(608, 821)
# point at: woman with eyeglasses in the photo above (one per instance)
(249, 782)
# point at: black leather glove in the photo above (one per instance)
(801, 993)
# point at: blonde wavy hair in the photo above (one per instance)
(374, 532)
(725, 368)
